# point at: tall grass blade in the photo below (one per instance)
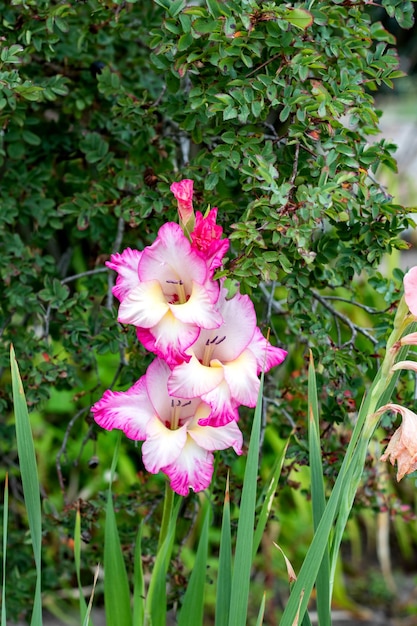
(318, 497)
(224, 577)
(260, 618)
(116, 585)
(77, 560)
(192, 610)
(269, 498)
(86, 621)
(138, 583)
(245, 530)
(5, 523)
(155, 606)
(30, 480)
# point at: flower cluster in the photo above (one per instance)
(209, 350)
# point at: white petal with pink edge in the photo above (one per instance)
(192, 470)
(156, 384)
(126, 265)
(223, 406)
(198, 309)
(129, 411)
(191, 380)
(171, 256)
(172, 338)
(156, 379)
(239, 323)
(145, 305)
(241, 376)
(219, 438)
(162, 445)
(267, 355)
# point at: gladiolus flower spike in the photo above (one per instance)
(209, 350)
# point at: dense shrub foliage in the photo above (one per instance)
(267, 106)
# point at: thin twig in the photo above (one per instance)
(295, 165)
(98, 270)
(111, 276)
(366, 308)
(274, 304)
(63, 450)
(282, 410)
(270, 60)
(354, 328)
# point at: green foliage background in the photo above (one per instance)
(269, 108)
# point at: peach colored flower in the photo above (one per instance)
(403, 445)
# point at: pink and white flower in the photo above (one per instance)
(403, 445)
(183, 192)
(174, 441)
(224, 363)
(166, 291)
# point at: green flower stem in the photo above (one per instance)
(166, 515)
(379, 393)
(340, 502)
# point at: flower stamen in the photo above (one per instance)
(181, 295)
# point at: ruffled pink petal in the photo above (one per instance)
(198, 309)
(162, 446)
(241, 377)
(193, 469)
(192, 380)
(223, 406)
(171, 258)
(171, 339)
(410, 289)
(144, 306)
(129, 411)
(209, 438)
(221, 412)
(126, 265)
(267, 356)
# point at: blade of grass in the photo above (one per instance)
(116, 584)
(77, 560)
(5, 523)
(260, 619)
(192, 610)
(155, 605)
(245, 530)
(269, 497)
(138, 582)
(30, 480)
(224, 577)
(318, 497)
(86, 621)
(301, 591)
